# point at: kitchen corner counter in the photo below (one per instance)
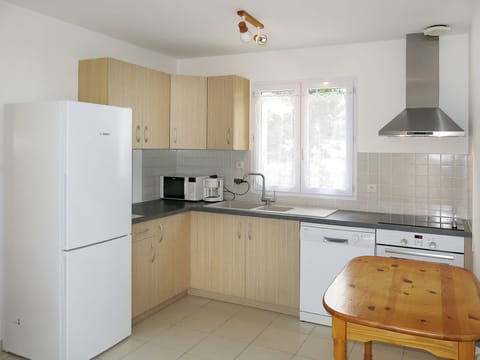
(160, 208)
(155, 209)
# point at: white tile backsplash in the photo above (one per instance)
(422, 184)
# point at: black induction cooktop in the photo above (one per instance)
(436, 222)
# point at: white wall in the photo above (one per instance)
(475, 132)
(39, 57)
(379, 70)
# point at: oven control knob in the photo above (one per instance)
(403, 242)
(432, 245)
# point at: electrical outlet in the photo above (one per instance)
(240, 164)
(372, 188)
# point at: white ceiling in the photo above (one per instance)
(196, 28)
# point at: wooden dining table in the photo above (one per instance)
(429, 306)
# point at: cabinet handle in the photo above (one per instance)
(239, 230)
(175, 135)
(145, 131)
(228, 136)
(249, 231)
(153, 250)
(137, 133)
(162, 231)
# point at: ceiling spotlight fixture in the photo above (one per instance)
(245, 35)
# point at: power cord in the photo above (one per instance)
(237, 181)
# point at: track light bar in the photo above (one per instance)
(250, 19)
(245, 35)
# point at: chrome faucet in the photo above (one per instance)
(264, 198)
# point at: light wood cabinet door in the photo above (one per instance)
(228, 113)
(172, 260)
(188, 117)
(113, 82)
(218, 254)
(142, 268)
(160, 261)
(164, 261)
(93, 80)
(181, 233)
(272, 261)
(154, 91)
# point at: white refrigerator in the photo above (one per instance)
(67, 229)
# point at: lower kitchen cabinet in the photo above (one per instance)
(177, 267)
(250, 258)
(218, 254)
(272, 261)
(160, 261)
(142, 268)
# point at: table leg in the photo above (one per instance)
(339, 334)
(367, 351)
(466, 350)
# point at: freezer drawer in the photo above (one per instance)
(98, 298)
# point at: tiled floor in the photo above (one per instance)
(200, 329)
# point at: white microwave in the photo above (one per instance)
(187, 188)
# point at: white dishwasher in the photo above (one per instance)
(324, 251)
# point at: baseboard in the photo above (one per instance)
(159, 307)
(316, 318)
(243, 301)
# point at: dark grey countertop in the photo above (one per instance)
(160, 208)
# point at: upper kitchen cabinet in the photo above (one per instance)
(228, 113)
(188, 117)
(146, 91)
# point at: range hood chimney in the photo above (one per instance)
(422, 117)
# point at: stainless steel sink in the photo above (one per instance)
(236, 204)
(274, 208)
(279, 209)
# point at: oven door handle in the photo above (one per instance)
(415, 253)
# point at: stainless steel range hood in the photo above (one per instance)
(422, 117)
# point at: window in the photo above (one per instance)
(304, 137)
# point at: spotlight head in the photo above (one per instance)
(245, 35)
(260, 39)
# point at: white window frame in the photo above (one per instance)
(301, 88)
(297, 131)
